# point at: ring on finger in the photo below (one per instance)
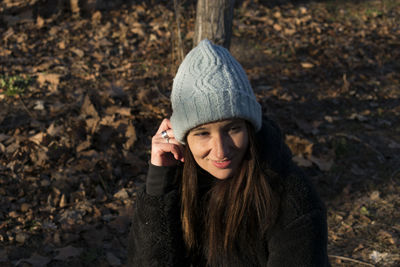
(164, 135)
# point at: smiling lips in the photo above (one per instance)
(222, 164)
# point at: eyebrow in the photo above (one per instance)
(201, 128)
(232, 123)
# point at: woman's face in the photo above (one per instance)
(219, 147)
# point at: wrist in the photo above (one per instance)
(160, 179)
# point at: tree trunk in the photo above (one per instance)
(214, 21)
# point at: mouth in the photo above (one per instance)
(221, 164)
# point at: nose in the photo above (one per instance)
(221, 146)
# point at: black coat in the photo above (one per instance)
(298, 238)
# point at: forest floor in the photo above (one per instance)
(80, 98)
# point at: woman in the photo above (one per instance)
(221, 188)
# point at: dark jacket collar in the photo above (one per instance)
(273, 151)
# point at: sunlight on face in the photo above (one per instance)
(219, 147)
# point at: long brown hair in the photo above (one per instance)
(229, 223)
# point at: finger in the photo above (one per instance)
(170, 133)
(165, 125)
(165, 136)
(177, 153)
(159, 139)
(169, 124)
(165, 148)
(179, 147)
(162, 152)
(171, 139)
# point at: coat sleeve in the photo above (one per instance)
(155, 238)
(299, 238)
(301, 243)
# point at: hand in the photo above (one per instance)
(165, 151)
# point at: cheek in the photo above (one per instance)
(242, 141)
(198, 149)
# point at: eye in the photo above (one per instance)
(235, 128)
(201, 133)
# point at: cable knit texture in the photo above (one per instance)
(211, 85)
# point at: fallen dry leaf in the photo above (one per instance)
(88, 108)
(323, 164)
(36, 260)
(37, 138)
(77, 51)
(121, 194)
(301, 161)
(39, 22)
(39, 105)
(277, 27)
(53, 130)
(356, 170)
(131, 135)
(83, 146)
(307, 65)
(67, 252)
(51, 78)
(112, 259)
(387, 237)
(378, 256)
(289, 31)
(3, 137)
(299, 146)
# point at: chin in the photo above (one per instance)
(222, 174)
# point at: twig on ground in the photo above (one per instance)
(352, 260)
(25, 108)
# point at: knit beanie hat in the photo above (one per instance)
(211, 85)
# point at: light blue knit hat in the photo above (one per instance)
(211, 85)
